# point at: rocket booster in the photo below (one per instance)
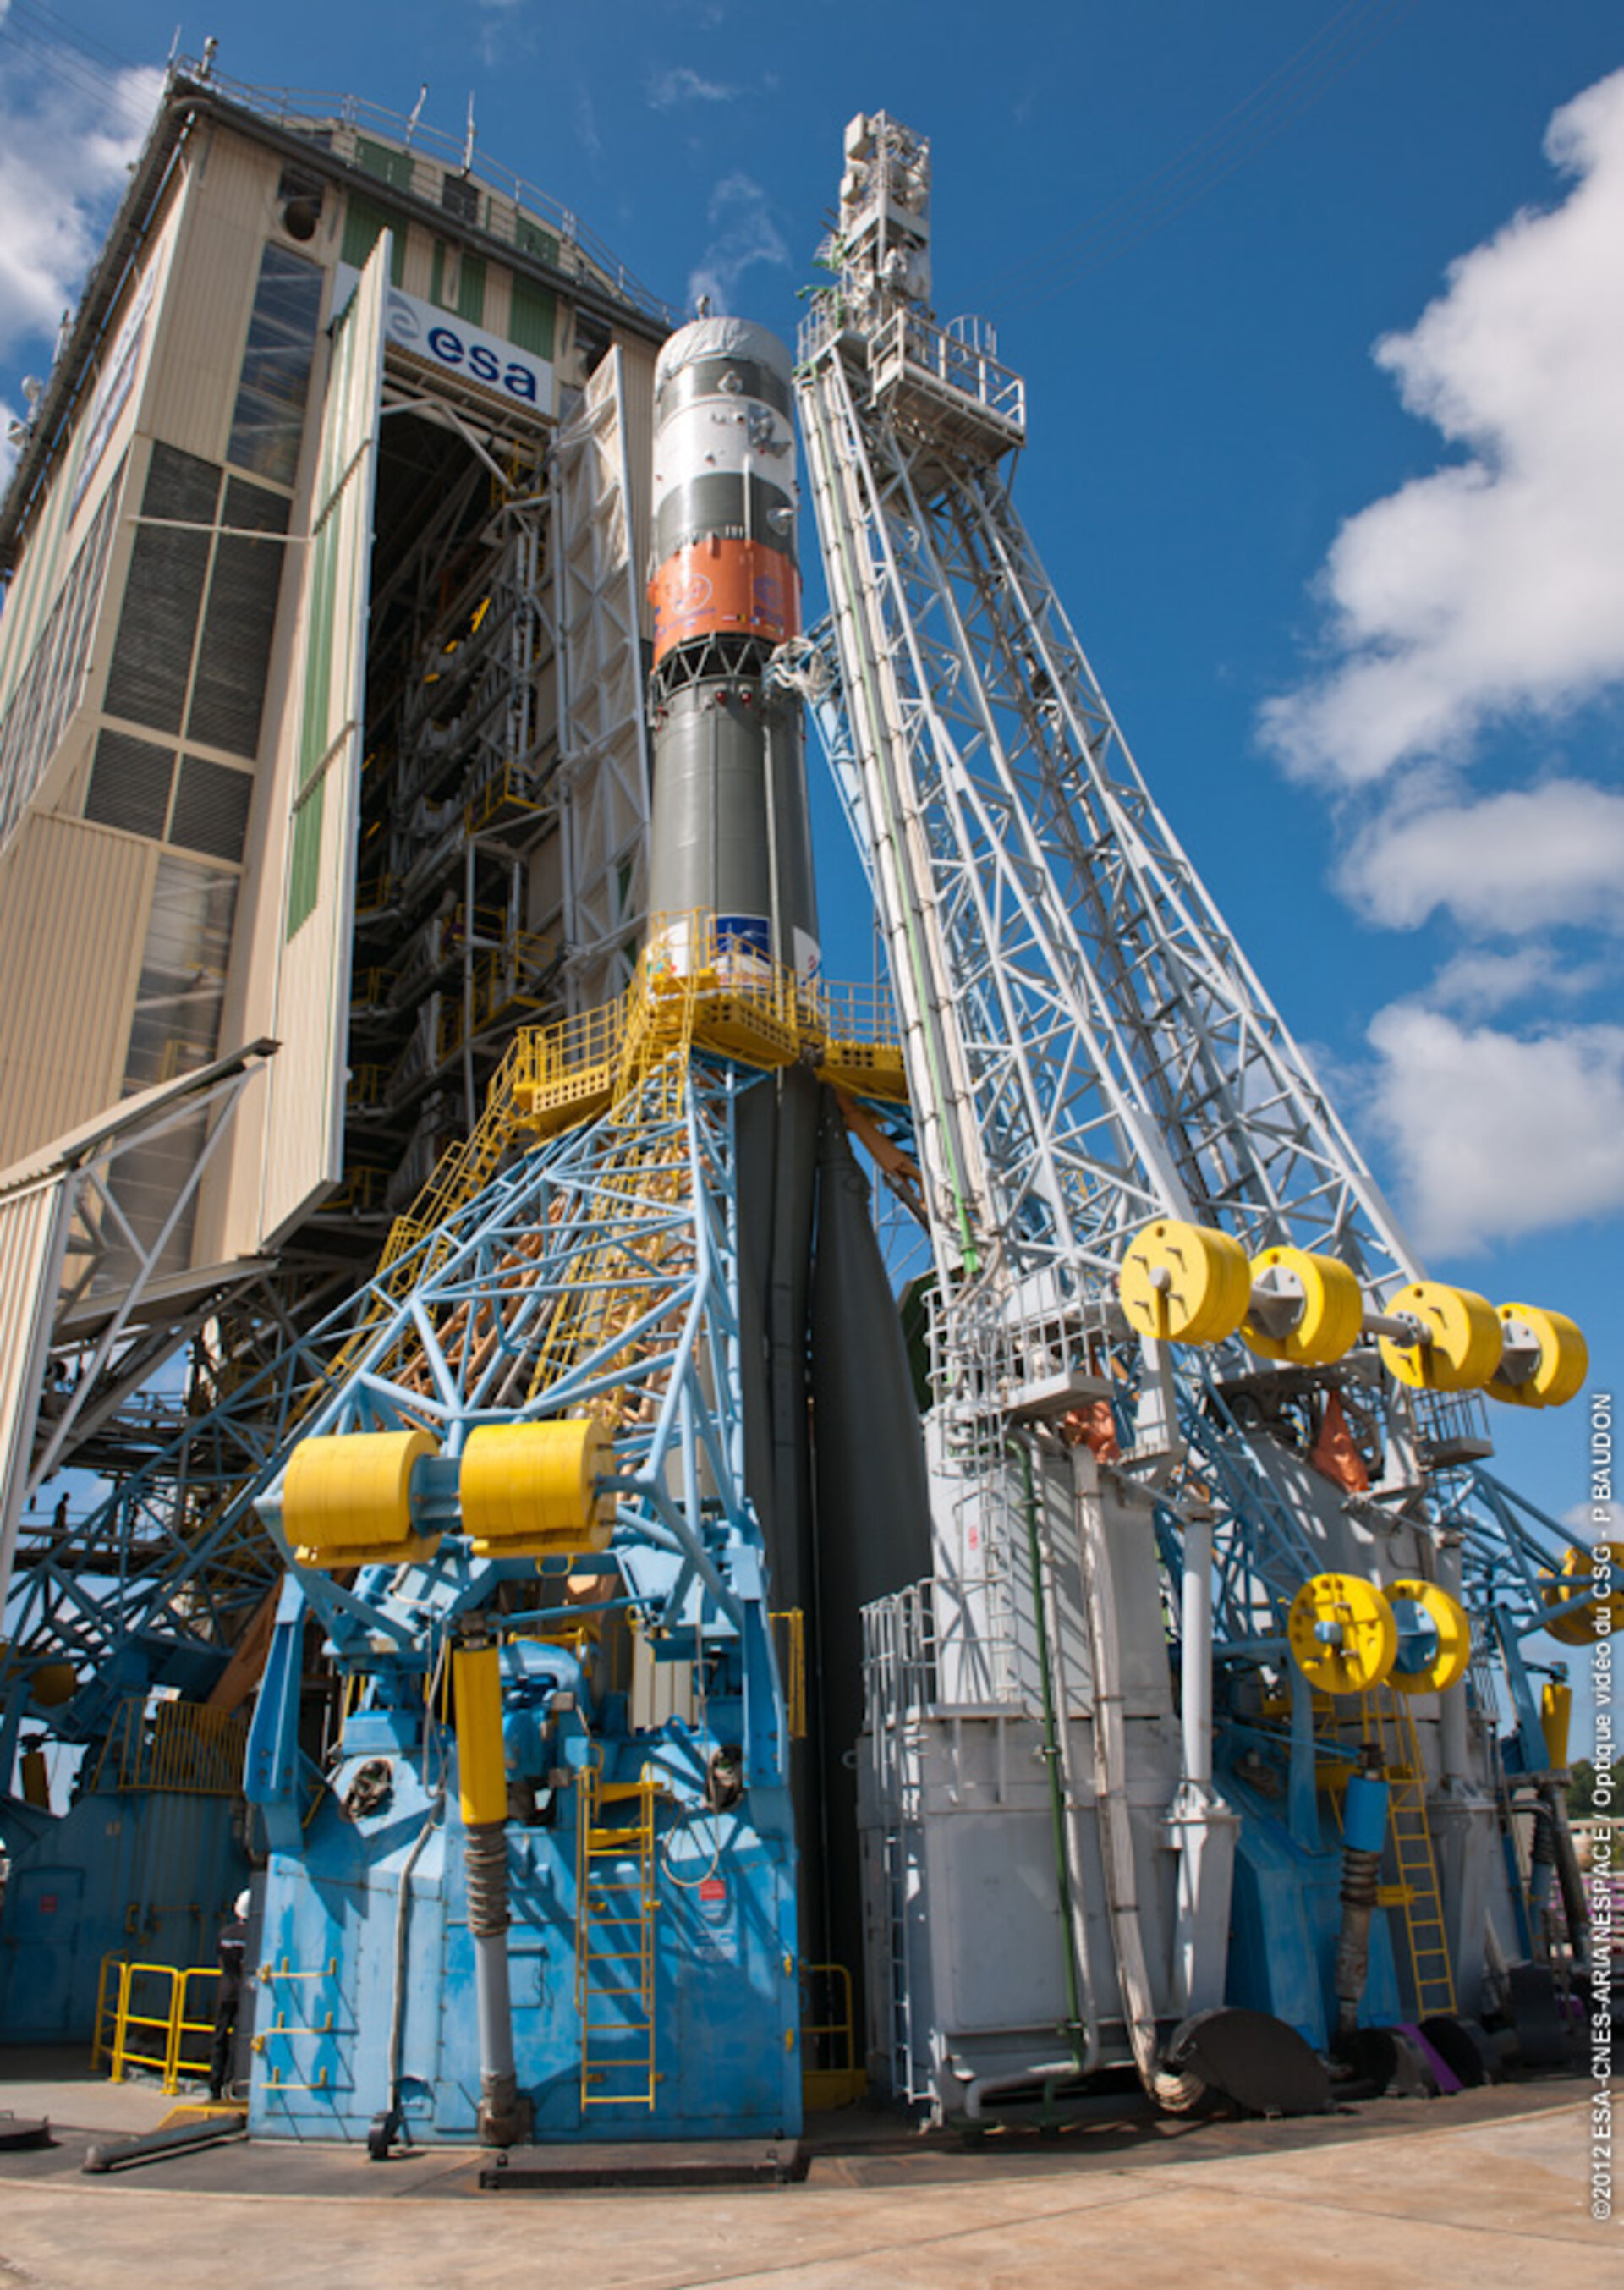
(730, 836)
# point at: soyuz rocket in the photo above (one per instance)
(731, 835)
(845, 1514)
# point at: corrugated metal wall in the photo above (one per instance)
(637, 413)
(30, 1265)
(192, 386)
(73, 920)
(305, 1143)
(105, 427)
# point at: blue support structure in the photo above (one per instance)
(650, 1854)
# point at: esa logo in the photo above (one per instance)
(427, 331)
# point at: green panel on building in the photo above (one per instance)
(530, 238)
(392, 167)
(534, 321)
(364, 225)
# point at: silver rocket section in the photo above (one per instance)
(730, 836)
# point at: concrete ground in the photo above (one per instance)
(1490, 2188)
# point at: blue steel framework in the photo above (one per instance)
(598, 1275)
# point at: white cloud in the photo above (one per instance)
(64, 153)
(1595, 1522)
(586, 124)
(499, 18)
(1494, 587)
(1497, 1134)
(1527, 859)
(681, 84)
(746, 235)
(1477, 982)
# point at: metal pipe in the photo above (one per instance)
(1453, 1741)
(1111, 1811)
(1080, 2022)
(482, 1775)
(1196, 1653)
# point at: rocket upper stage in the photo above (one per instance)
(731, 838)
(725, 488)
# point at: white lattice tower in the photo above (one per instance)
(1088, 1047)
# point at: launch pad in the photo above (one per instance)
(691, 1685)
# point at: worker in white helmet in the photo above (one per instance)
(232, 1949)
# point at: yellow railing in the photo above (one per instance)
(184, 1747)
(830, 2075)
(791, 1649)
(696, 986)
(153, 2013)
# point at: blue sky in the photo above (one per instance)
(1360, 611)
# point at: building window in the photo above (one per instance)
(130, 783)
(169, 568)
(460, 198)
(130, 787)
(268, 425)
(48, 690)
(210, 811)
(234, 658)
(179, 1001)
(184, 575)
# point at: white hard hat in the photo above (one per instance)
(242, 1904)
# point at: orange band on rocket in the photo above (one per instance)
(716, 587)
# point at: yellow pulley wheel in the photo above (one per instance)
(1186, 1284)
(1329, 1308)
(1562, 1364)
(1465, 1344)
(531, 1489)
(1342, 1633)
(1580, 1628)
(347, 1498)
(1451, 1653)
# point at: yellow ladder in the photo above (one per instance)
(1416, 1892)
(614, 1939)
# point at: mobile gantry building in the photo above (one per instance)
(321, 723)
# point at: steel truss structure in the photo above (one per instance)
(597, 1276)
(1097, 1049)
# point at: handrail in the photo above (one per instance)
(302, 110)
(171, 2023)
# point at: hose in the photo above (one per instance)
(1360, 1874)
(397, 2001)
